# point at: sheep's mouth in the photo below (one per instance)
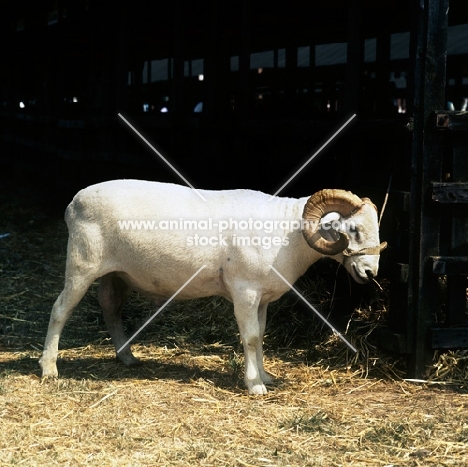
(357, 277)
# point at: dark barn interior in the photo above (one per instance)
(241, 95)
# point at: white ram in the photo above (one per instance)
(236, 234)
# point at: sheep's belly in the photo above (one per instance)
(161, 291)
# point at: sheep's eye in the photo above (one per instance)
(357, 235)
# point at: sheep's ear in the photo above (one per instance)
(327, 228)
(370, 203)
(329, 218)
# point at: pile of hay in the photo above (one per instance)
(32, 261)
(187, 403)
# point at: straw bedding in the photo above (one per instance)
(186, 404)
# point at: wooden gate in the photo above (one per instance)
(428, 304)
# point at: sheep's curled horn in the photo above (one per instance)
(321, 203)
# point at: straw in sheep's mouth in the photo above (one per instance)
(372, 279)
(377, 284)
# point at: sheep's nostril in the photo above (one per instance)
(369, 274)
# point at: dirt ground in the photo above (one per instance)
(186, 404)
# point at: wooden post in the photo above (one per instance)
(243, 99)
(217, 63)
(354, 58)
(178, 69)
(121, 59)
(178, 142)
(429, 48)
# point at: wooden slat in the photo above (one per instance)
(449, 193)
(450, 265)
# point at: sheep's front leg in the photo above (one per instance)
(249, 327)
(262, 316)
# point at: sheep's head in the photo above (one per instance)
(339, 223)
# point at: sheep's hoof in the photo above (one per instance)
(257, 388)
(129, 361)
(49, 369)
(48, 378)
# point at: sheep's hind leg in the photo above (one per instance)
(113, 291)
(73, 292)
